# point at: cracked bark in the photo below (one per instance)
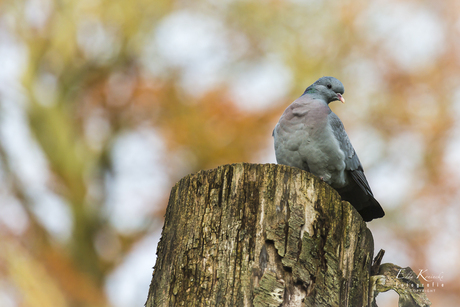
(260, 235)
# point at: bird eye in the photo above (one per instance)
(329, 86)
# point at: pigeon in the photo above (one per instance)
(311, 137)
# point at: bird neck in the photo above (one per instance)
(310, 90)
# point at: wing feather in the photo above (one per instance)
(352, 163)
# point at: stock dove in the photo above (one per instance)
(311, 137)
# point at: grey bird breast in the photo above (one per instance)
(305, 139)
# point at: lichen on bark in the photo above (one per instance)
(260, 235)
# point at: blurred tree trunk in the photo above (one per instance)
(260, 235)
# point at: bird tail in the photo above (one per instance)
(363, 200)
(372, 210)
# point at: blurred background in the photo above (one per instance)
(104, 105)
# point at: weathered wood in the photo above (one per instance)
(403, 281)
(260, 235)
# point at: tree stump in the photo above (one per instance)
(260, 235)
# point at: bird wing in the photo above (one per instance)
(352, 163)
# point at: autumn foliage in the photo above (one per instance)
(207, 81)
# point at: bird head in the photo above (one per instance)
(328, 88)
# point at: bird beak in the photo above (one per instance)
(340, 97)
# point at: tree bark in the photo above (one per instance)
(261, 235)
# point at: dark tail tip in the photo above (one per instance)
(374, 211)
